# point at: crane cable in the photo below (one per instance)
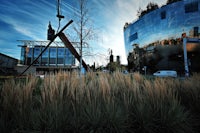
(59, 14)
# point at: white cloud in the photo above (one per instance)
(29, 18)
(20, 27)
(115, 15)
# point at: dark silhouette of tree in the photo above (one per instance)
(172, 1)
(139, 12)
(150, 7)
(130, 62)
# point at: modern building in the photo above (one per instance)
(158, 35)
(168, 21)
(55, 57)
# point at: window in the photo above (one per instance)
(61, 52)
(37, 51)
(45, 57)
(133, 37)
(53, 55)
(163, 14)
(191, 7)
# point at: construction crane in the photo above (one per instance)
(59, 15)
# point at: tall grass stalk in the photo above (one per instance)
(99, 103)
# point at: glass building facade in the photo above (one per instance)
(53, 56)
(169, 21)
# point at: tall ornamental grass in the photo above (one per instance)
(98, 103)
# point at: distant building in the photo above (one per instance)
(7, 65)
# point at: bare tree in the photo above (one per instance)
(82, 28)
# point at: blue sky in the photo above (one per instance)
(28, 20)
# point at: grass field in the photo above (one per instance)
(132, 103)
